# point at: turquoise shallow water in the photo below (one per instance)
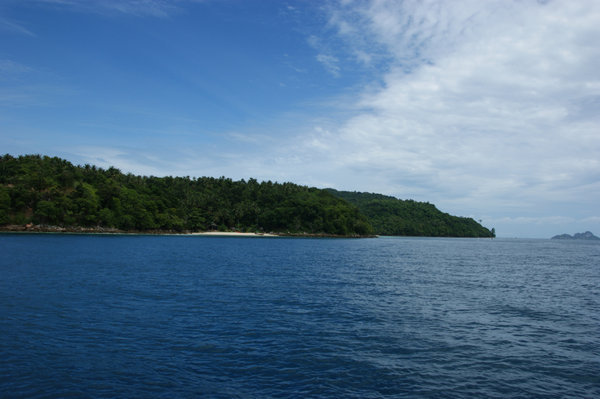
(180, 316)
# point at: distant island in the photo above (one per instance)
(40, 193)
(577, 236)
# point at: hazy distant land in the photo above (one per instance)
(588, 235)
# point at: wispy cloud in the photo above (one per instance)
(140, 8)
(14, 27)
(330, 63)
(9, 67)
(544, 220)
(325, 57)
(128, 160)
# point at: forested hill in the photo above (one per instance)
(391, 216)
(52, 191)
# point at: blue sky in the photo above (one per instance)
(488, 109)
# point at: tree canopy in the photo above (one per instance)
(391, 216)
(52, 191)
(49, 190)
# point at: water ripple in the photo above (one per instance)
(142, 316)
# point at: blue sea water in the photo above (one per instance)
(187, 316)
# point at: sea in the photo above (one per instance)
(143, 316)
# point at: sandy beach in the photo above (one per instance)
(233, 234)
(32, 228)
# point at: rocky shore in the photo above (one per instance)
(44, 228)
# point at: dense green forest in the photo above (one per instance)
(391, 216)
(52, 191)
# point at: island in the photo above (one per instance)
(49, 194)
(588, 235)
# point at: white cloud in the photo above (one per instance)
(483, 107)
(483, 101)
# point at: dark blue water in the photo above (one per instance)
(167, 316)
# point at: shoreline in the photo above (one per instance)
(231, 234)
(43, 229)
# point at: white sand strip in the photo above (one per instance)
(233, 234)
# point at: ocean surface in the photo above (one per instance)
(103, 316)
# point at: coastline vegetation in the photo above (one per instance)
(394, 217)
(50, 191)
